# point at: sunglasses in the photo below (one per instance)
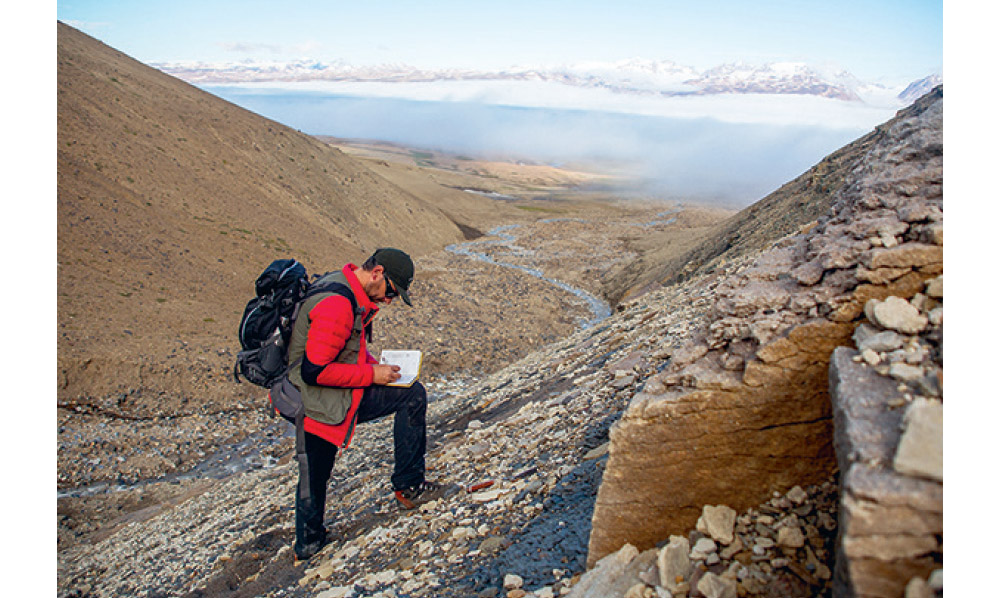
(390, 289)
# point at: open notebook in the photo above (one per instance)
(409, 365)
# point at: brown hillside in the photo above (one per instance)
(170, 202)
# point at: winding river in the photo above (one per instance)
(599, 309)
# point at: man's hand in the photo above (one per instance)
(385, 374)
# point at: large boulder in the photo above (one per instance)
(673, 452)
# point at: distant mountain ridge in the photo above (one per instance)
(634, 76)
(920, 88)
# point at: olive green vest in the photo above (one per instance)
(325, 404)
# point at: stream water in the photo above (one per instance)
(246, 455)
(599, 309)
(659, 219)
(490, 194)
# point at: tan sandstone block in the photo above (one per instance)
(907, 255)
(777, 350)
(905, 286)
(874, 578)
(935, 288)
(937, 233)
(758, 373)
(819, 333)
(818, 338)
(880, 275)
(654, 407)
(931, 269)
(870, 482)
(865, 518)
(921, 447)
(847, 312)
(889, 547)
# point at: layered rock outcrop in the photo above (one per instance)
(743, 408)
(888, 416)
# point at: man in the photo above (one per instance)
(342, 385)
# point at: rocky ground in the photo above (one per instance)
(751, 403)
(125, 439)
(526, 446)
(536, 432)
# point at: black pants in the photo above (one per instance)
(409, 434)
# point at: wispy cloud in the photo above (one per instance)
(250, 47)
(765, 109)
(307, 47)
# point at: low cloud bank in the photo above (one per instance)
(734, 149)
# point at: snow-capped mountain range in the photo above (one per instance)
(635, 76)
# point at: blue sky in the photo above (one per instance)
(887, 41)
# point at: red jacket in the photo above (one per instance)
(331, 322)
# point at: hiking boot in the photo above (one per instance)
(310, 550)
(414, 496)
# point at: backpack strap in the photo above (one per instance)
(339, 288)
(300, 455)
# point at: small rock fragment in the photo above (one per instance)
(674, 562)
(716, 586)
(896, 314)
(921, 447)
(791, 537)
(511, 581)
(717, 522)
(702, 548)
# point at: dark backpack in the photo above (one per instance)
(266, 325)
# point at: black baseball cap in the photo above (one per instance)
(398, 268)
